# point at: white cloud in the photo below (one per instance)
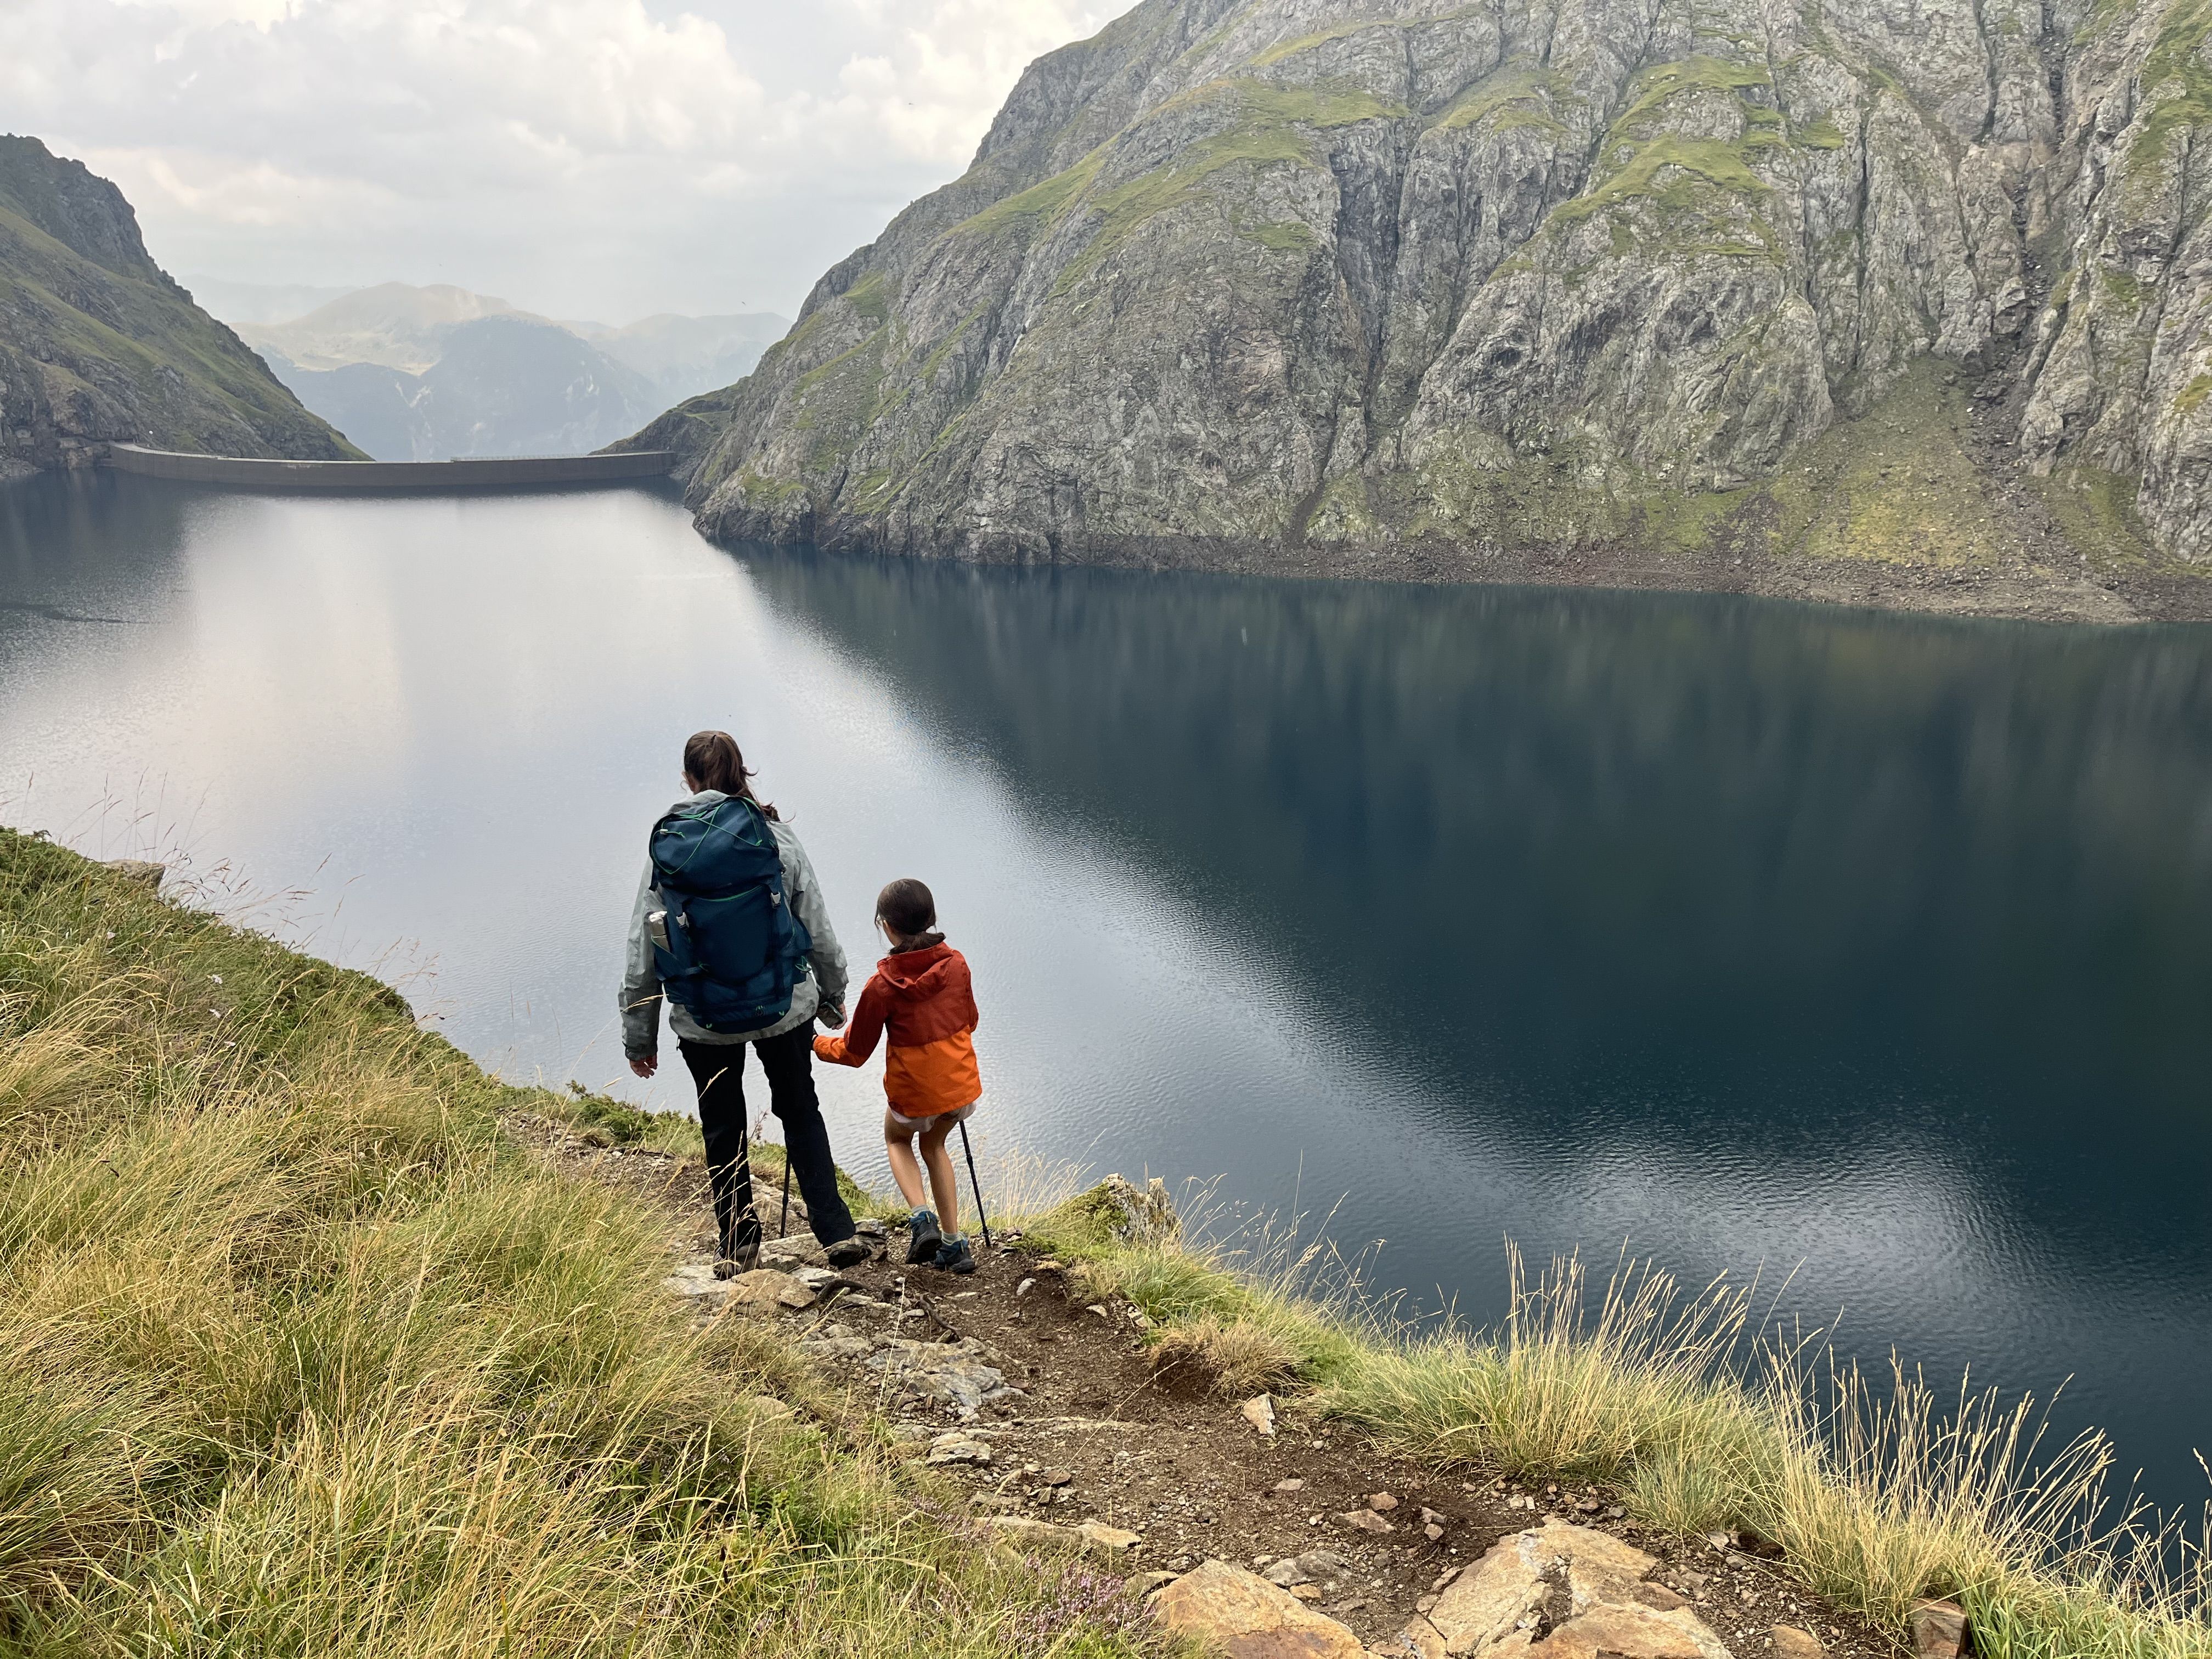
(580, 157)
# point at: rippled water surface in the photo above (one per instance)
(1872, 949)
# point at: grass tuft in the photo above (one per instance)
(306, 1359)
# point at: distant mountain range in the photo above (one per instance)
(99, 345)
(428, 374)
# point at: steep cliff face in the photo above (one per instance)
(98, 345)
(1922, 280)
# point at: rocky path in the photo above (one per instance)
(1278, 1533)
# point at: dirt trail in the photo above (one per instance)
(1168, 1473)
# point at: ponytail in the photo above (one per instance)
(712, 760)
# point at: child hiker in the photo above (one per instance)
(921, 994)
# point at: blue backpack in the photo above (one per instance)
(728, 950)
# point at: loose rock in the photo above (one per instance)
(1260, 1413)
(953, 1372)
(958, 1447)
(1791, 1643)
(1939, 1629)
(765, 1291)
(1247, 1618)
(1366, 1520)
(1382, 1502)
(1108, 1540)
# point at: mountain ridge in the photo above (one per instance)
(99, 345)
(1454, 289)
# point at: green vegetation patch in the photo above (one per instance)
(305, 1356)
(1305, 43)
(1521, 93)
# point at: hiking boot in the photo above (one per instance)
(738, 1258)
(922, 1238)
(953, 1256)
(847, 1253)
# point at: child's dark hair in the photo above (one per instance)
(906, 907)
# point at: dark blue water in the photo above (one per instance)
(1872, 949)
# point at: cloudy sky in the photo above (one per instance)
(581, 158)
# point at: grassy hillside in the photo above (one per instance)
(303, 1358)
(97, 345)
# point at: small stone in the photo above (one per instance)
(1433, 1532)
(1108, 1540)
(1260, 1413)
(1025, 1287)
(1939, 1629)
(1420, 1638)
(1723, 1542)
(958, 1447)
(1366, 1520)
(763, 1290)
(1287, 1487)
(1325, 1562)
(1288, 1572)
(1021, 1529)
(1430, 1517)
(1309, 1592)
(1056, 1477)
(1382, 1502)
(1792, 1643)
(1249, 1618)
(1098, 1308)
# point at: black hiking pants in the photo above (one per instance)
(788, 1060)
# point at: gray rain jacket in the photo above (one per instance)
(822, 982)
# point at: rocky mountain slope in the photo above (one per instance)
(98, 345)
(1412, 285)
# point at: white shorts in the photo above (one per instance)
(915, 1125)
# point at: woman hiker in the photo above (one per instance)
(730, 929)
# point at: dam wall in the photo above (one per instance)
(356, 478)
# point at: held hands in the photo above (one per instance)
(646, 1066)
(831, 1014)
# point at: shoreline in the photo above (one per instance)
(2120, 594)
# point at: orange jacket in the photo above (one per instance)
(925, 1000)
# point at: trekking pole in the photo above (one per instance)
(981, 1220)
(783, 1221)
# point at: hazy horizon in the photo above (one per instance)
(600, 159)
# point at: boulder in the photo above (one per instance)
(1489, 1601)
(1139, 1215)
(1246, 1617)
(1631, 1632)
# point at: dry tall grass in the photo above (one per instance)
(301, 1358)
(1878, 1496)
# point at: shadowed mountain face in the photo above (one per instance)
(1374, 274)
(98, 346)
(428, 374)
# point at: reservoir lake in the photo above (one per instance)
(1870, 953)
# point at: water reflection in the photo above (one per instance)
(1745, 933)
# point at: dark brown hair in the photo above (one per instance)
(906, 907)
(712, 760)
